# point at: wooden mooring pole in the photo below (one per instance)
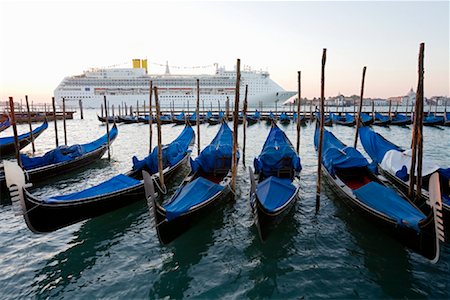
(80, 103)
(235, 125)
(29, 124)
(54, 118)
(244, 124)
(299, 73)
(358, 119)
(107, 126)
(322, 120)
(64, 121)
(14, 125)
(158, 125)
(150, 119)
(197, 111)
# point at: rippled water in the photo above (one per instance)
(334, 253)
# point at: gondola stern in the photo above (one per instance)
(16, 183)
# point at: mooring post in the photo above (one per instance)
(235, 125)
(197, 111)
(80, 103)
(54, 118)
(158, 125)
(299, 73)
(14, 125)
(107, 126)
(150, 119)
(244, 124)
(389, 113)
(29, 124)
(358, 119)
(64, 120)
(322, 120)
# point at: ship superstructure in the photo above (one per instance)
(129, 85)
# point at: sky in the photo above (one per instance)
(44, 41)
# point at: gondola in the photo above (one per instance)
(7, 146)
(52, 213)
(128, 119)
(347, 120)
(432, 120)
(63, 159)
(206, 186)
(180, 119)
(381, 120)
(328, 120)
(447, 119)
(275, 189)
(253, 119)
(302, 119)
(166, 119)
(348, 175)
(193, 119)
(284, 119)
(111, 119)
(271, 118)
(4, 124)
(400, 120)
(366, 120)
(394, 162)
(214, 120)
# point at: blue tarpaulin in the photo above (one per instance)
(193, 193)
(388, 202)
(284, 116)
(365, 118)
(217, 154)
(171, 153)
(399, 118)
(335, 155)
(349, 118)
(432, 119)
(66, 153)
(276, 153)
(380, 117)
(257, 114)
(375, 145)
(180, 116)
(116, 183)
(274, 192)
(10, 139)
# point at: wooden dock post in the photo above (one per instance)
(158, 125)
(29, 124)
(244, 123)
(197, 111)
(107, 126)
(64, 120)
(361, 98)
(150, 118)
(299, 73)
(417, 137)
(322, 120)
(310, 111)
(235, 125)
(80, 103)
(14, 125)
(54, 118)
(101, 110)
(227, 109)
(373, 110)
(389, 113)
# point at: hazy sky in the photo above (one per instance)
(44, 41)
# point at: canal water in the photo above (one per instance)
(334, 253)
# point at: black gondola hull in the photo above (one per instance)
(423, 243)
(10, 149)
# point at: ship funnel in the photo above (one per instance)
(136, 63)
(144, 65)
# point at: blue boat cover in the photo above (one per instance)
(295, 117)
(180, 116)
(164, 118)
(431, 119)
(66, 153)
(171, 153)
(365, 117)
(192, 194)
(349, 118)
(380, 117)
(114, 184)
(5, 124)
(388, 202)
(375, 145)
(335, 155)
(274, 192)
(284, 116)
(10, 139)
(447, 116)
(193, 117)
(271, 115)
(217, 154)
(209, 114)
(257, 114)
(399, 118)
(276, 152)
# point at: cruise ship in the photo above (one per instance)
(129, 85)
